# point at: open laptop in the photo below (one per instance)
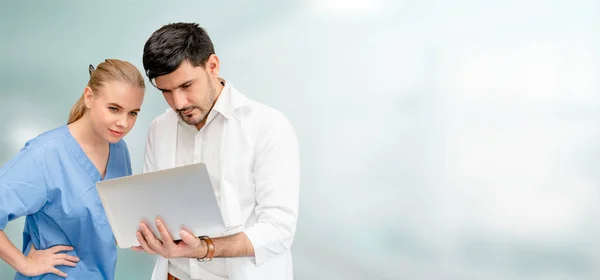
(183, 197)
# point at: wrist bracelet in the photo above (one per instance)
(210, 249)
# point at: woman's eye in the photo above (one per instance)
(113, 109)
(134, 113)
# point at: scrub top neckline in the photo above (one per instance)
(84, 160)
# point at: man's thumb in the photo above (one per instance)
(188, 238)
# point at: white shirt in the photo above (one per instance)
(251, 152)
(195, 146)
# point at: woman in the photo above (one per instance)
(52, 182)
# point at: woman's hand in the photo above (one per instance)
(44, 261)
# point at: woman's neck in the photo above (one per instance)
(85, 135)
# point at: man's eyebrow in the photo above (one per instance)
(181, 85)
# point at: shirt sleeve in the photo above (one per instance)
(277, 176)
(23, 185)
(149, 160)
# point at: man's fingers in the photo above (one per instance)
(188, 238)
(58, 272)
(164, 233)
(144, 244)
(151, 241)
(146, 232)
(137, 248)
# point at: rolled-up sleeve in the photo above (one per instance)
(23, 186)
(277, 179)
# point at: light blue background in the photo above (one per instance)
(440, 139)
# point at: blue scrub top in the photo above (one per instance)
(53, 183)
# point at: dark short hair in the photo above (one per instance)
(173, 43)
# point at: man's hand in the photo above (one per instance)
(189, 246)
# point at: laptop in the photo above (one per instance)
(182, 197)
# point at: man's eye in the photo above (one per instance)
(113, 109)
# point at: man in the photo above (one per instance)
(251, 153)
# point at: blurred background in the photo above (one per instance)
(439, 139)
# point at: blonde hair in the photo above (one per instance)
(107, 71)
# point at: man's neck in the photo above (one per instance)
(219, 90)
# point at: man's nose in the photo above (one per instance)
(179, 99)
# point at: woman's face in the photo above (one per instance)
(114, 109)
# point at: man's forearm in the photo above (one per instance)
(237, 245)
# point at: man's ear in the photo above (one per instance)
(212, 66)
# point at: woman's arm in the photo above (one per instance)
(37, 262)
(23, 184)
(11, 255)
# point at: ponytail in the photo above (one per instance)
(77, 111)
(79, 107)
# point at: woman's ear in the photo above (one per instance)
(88, 95)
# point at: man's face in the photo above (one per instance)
(190, 91)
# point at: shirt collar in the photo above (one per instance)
(224, 104)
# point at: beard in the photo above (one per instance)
(203, 110)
